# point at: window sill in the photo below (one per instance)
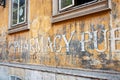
(16, 29)
(79, 11)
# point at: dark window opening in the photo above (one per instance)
(15, 78)
(80, 2)
(64, 5)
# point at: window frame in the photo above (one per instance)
(22, 26)
(60, 7)
(79, 11)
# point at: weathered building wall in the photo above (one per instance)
(3, 32)
(86, 42)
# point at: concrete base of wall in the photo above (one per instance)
(32, 72)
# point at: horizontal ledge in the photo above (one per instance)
(18, 29)
(100, 74)
(82, 11)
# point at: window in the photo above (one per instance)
(18, 15)
(2, 3)
(64, 4)
(18, 11)
(14, 78)
(68, 9)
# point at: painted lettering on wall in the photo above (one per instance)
(35, 44)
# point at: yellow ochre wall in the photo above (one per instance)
(41, 29)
